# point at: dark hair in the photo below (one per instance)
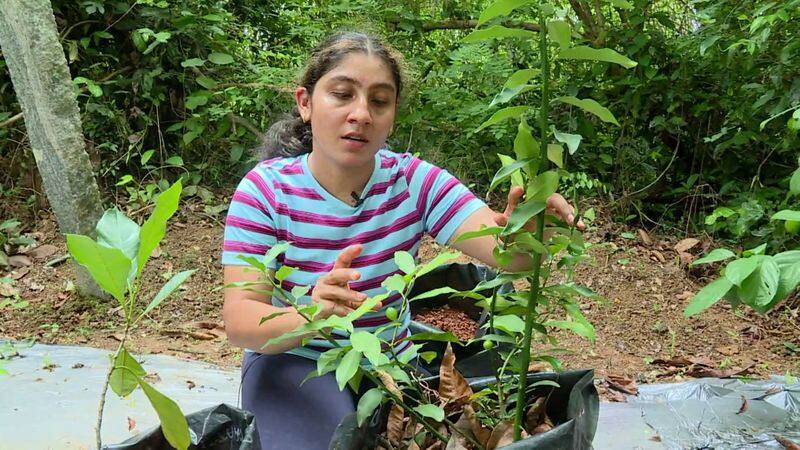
(291, 136)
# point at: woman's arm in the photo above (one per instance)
(243, 310)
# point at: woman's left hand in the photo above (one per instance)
(557, 206)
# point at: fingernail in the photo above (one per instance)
(570, 218)
(362, 296)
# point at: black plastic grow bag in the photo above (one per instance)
(221, 427)
(471, 360)
(573, 407)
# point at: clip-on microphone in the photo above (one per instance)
(357, 199)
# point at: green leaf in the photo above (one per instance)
(522, 214)
(543, 186)
(529, 242)
(516, 177)
(146, 156)
(582, 52)
(579, 328)
(173, 422)
(719, 254)
(497, 32)
(192, 102)
(511, 112)
(365, 342)
(559, 32)
(193, 62)
(707, 296)
(394, 283)
(761, 286)
(789, 279)
(168, 288)
(206, 82)
(431, 411)
(108, 266)
(755, 251)
(125, 376)
(555, 153)
(740, 269)
(274, 252)
(794, 183)
(283, 272)
(483, 231)
(591, 106)
(622, 4)
(155, 227)
(507, 171)
(220, 58)
(515, 85)
(786, 214)
(327, 360)
(95, 90)
(115, 230)
(525, 146)
(271, 316)
(367, 404)
(707, 43)
(439, 260)
(347, 368)
(434, 293)
(405, 262)
(509, 323)
(572, 140)
(500, 8)
(436, 337)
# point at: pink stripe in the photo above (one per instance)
(269, 162)
(387, 162)
(362, 261)
(322, 219)
(244, 247)
(362, 238)
(427, 183)
(249, 200)
(249, 225)
(451, 212)
(297, 191)
(291, 169)
(380, 188)
(412, 168)
(450, 184)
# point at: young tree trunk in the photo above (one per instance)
(43, 85)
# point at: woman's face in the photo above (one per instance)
(351, 109)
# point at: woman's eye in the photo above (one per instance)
(340, 94)
(380, 102)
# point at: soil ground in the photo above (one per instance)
(642, 279)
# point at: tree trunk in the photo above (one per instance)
(43, 85)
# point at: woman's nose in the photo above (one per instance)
(360, 112)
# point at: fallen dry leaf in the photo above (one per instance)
(686, 245)
(480, 432)
(152, 377)
(622, 384)
(744, 406)
(453, 388)
(457, 441)
(659, 256)
(131, 424)
(685, 295)
(190, 384)
(686, 258)
(787, 444)
(19, 273)
(646, 240)
(707, 372)
(536, 413)
(728, 350)
(543, 427)
(42, 251)
(19, 261)
(395, 427)
(503, 434)
(8, 290)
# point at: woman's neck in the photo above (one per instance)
(340, 182)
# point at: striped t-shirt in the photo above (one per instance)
(280, 201)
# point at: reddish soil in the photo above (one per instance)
(448, 319)
(645, 286)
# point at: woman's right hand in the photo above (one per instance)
(332, 292)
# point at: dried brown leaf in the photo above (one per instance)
(453, 388)
(131, 424)
(503, 434)
(42, 251)
(395, 428)
(622, 384)
(744, 406)
(457, 441)
(480, 432)
(19, 261)
(536, 413)
(686, 245)
(646, 239)
(786, 443)
(19, 273)
(543, 427)
(686, 258)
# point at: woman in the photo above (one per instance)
(346, 204)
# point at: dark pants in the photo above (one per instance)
(290, 416)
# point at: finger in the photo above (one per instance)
(341, 310)
(347, 256)
(514, 195)
(500, 219)
(581, 226)
(340, 277)
(344, 296)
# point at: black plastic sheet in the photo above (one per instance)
(574, 407)
(221, 427)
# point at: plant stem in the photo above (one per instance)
(102, 404)
(537, 257)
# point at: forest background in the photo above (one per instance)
(183, 88)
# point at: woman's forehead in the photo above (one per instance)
(362, 70)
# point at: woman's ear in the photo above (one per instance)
(303, 99)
